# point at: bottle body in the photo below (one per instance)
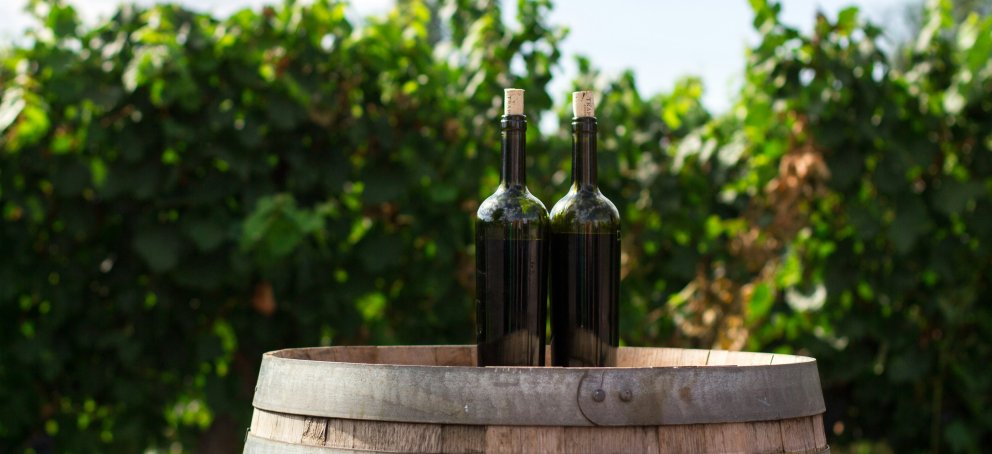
(511, 231)
(585, 264)
(511, 294)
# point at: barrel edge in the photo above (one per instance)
(272, 365)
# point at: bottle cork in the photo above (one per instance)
(583, 104)
(513, 101)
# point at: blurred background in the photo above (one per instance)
(186, 186)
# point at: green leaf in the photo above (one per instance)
(98, 172)
(277, 227)
(32, 113)
(159, 246)
(10, 107)
(372, 306)
(146, 64)
(207, 233)
(761, 302)
(62, 19)
(847, 19)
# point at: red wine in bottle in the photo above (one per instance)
(585, 257)
(511, 269)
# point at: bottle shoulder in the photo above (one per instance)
(588, 208)
(512, 204)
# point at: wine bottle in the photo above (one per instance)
(511, 269)
(585, 257)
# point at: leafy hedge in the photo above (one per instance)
(180, 193)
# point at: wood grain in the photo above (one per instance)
(792, 435)
(511, 439)
(610, 439)
(468, 439)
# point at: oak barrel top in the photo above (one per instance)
(439, 384)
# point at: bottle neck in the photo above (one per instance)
(584, 152)
(514, 148)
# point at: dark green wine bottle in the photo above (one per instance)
(511, 269)
(585, 257)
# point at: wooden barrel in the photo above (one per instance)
(432, 399)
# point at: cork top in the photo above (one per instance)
(583, 104)
(513, 101)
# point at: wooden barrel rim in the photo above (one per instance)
(658, 386)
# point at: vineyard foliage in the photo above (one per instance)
(181, 193)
